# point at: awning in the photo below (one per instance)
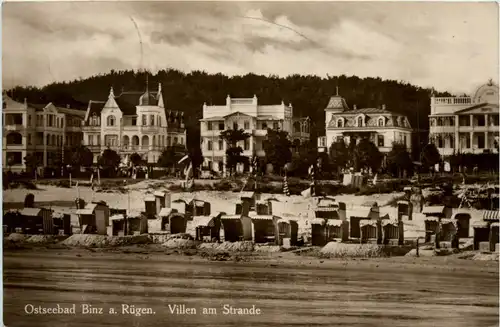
(31, 211)
(84, 211)
(149, 198)
(326, 209)
(433, 209)
(448, 221)
(262, 217)
(91, 206)
(134, 213)
(247, 195)
(390, 222)
(334, 222)
(203, 221)
(495, 224)
(117, 217)
(159, 193)
(367, 222)
(165, 212)
(404, 202)
(431, 218)
(489, 215)
(58, 214)
(230, 217)
(317, 221)
(481, 224)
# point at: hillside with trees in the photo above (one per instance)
(188, 91)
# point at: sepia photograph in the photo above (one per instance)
(250, 163)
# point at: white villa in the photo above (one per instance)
(133, 122)
(466, 124)
(381, 126)
(255, 119)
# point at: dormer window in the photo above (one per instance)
(381, 122)
(340, 122)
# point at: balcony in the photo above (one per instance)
(259, 132)
(91, 128)
(14, 128)
(452, 101)
(210, 133)
(442, 129)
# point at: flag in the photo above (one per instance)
(286, 191)
(183, 158)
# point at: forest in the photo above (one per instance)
(187, 92)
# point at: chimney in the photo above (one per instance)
(228, 100)
(354, 107)
(383, 107)
(67, 106)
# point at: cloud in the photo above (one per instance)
(451, 46)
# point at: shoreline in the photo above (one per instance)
(160, 255)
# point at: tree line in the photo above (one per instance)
(187, 92)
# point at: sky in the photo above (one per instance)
(450, 46)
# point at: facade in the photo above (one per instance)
(381, 126)
(133, 122)
(42, 130)
(466, 124)
(255, 119)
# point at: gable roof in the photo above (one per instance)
(239, 113)
(477, 106)
(95, 107)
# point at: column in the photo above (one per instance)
(472, 141)
(486, 144)
(44, 117)
(224, 159)
(457, 140)
(251, 152)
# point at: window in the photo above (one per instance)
(275, 125)
(176, 140)
(134, 121)
(151, 120)
(360, 121)
(169, 140)
(111, 120)
(264, 125)
(221, 144)
(209, 145)
(29, 139)
(404, 140)
(246, 145)
(247, 125)
(182, 141)
(479, 120)
(144, 120)
(67, 139)
(381, 122)
(209, 125)
(463, 121)
(494, 120)
(29, 120)
(480, 141)
(221, 126)
(340, 123)
(440, 142)
(91, 140)
(235, 126)
(380, 140)
(158, 120)
(452, 142)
